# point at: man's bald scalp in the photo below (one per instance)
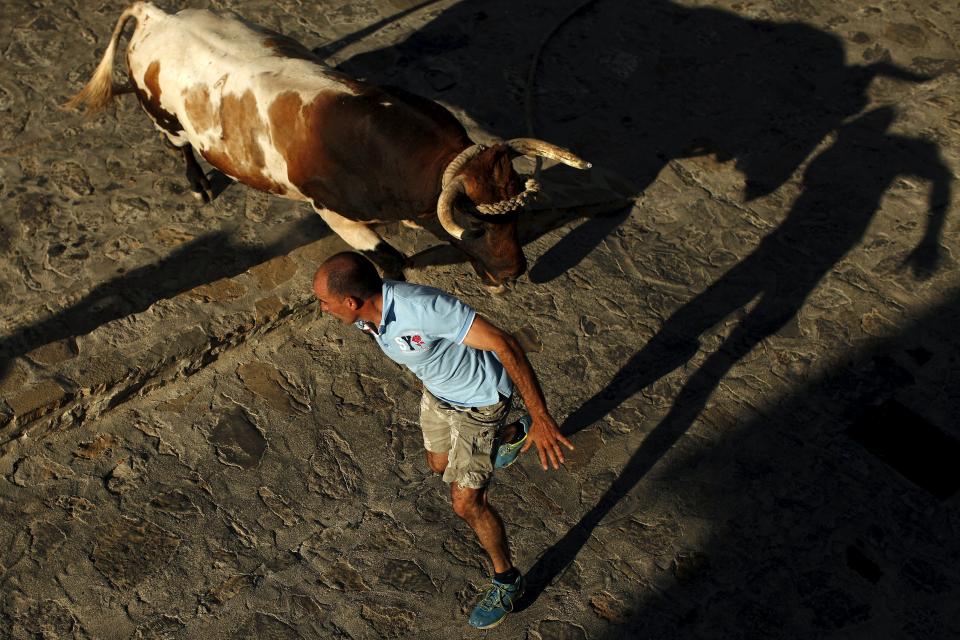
(349, 274)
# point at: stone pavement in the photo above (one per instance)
(759, 369)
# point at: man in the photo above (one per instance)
(466, 365)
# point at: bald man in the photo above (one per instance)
(468, 367)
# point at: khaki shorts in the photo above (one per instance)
(465, 434)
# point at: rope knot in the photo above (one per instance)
(531, 188)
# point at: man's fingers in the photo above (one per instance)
(554, 454)
(557, 454)
(551, 460)
(548, 448)
(543, 457)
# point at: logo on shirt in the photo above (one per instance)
(411, 343)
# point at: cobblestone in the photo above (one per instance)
(190, 450)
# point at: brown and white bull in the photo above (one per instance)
(267, 112)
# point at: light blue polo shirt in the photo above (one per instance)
(423, 329)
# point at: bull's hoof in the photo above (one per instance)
(205, 196)
(495, 289)
(201, 189)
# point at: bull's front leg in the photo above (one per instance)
(361, 237)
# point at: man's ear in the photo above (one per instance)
(352, 303)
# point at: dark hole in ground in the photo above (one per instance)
(910, 444)
(920, 355)
(859, 562)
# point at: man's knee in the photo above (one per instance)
(437, 461)
(468, 503)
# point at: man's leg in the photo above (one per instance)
(471, 505)
(459, 444)
(435, 423)
(508, 584)
(469, 470)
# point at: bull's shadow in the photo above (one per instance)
(660, 81)
(208, 258)
(842, 191)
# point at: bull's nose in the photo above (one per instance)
(496, 289)
(496, 284)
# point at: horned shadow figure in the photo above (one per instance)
(842, 190)
(666, 81)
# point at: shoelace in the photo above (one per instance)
(497, 591)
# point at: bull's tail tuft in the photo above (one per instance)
(98, 93)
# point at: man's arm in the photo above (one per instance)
(544, 431)
(926, 256)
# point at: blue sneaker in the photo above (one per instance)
(507, 453)
(496, 604)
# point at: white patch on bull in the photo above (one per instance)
(228, 56)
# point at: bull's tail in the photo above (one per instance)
(98, 93)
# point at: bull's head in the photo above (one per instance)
(481, 181)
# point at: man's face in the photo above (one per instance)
(343, 309)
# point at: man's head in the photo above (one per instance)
(344, 283)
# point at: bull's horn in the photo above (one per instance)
(534, 147)
(445, 209)
(457, 163)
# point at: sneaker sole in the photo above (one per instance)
(491, 626)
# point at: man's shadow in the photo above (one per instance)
(842, 190)
(664, 81)
(827, 512)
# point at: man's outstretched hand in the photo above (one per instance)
(545, 433)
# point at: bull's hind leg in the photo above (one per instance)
(196, 177)
(361, 237)
(199, 185)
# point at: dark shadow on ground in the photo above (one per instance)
(198, 262)
(818, 531)
(842, 191)
(331, 48)
(661, 81)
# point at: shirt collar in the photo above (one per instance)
(386, 306)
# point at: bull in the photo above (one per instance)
(267, 112)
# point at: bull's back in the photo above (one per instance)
(265, 111)
(210, 79)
